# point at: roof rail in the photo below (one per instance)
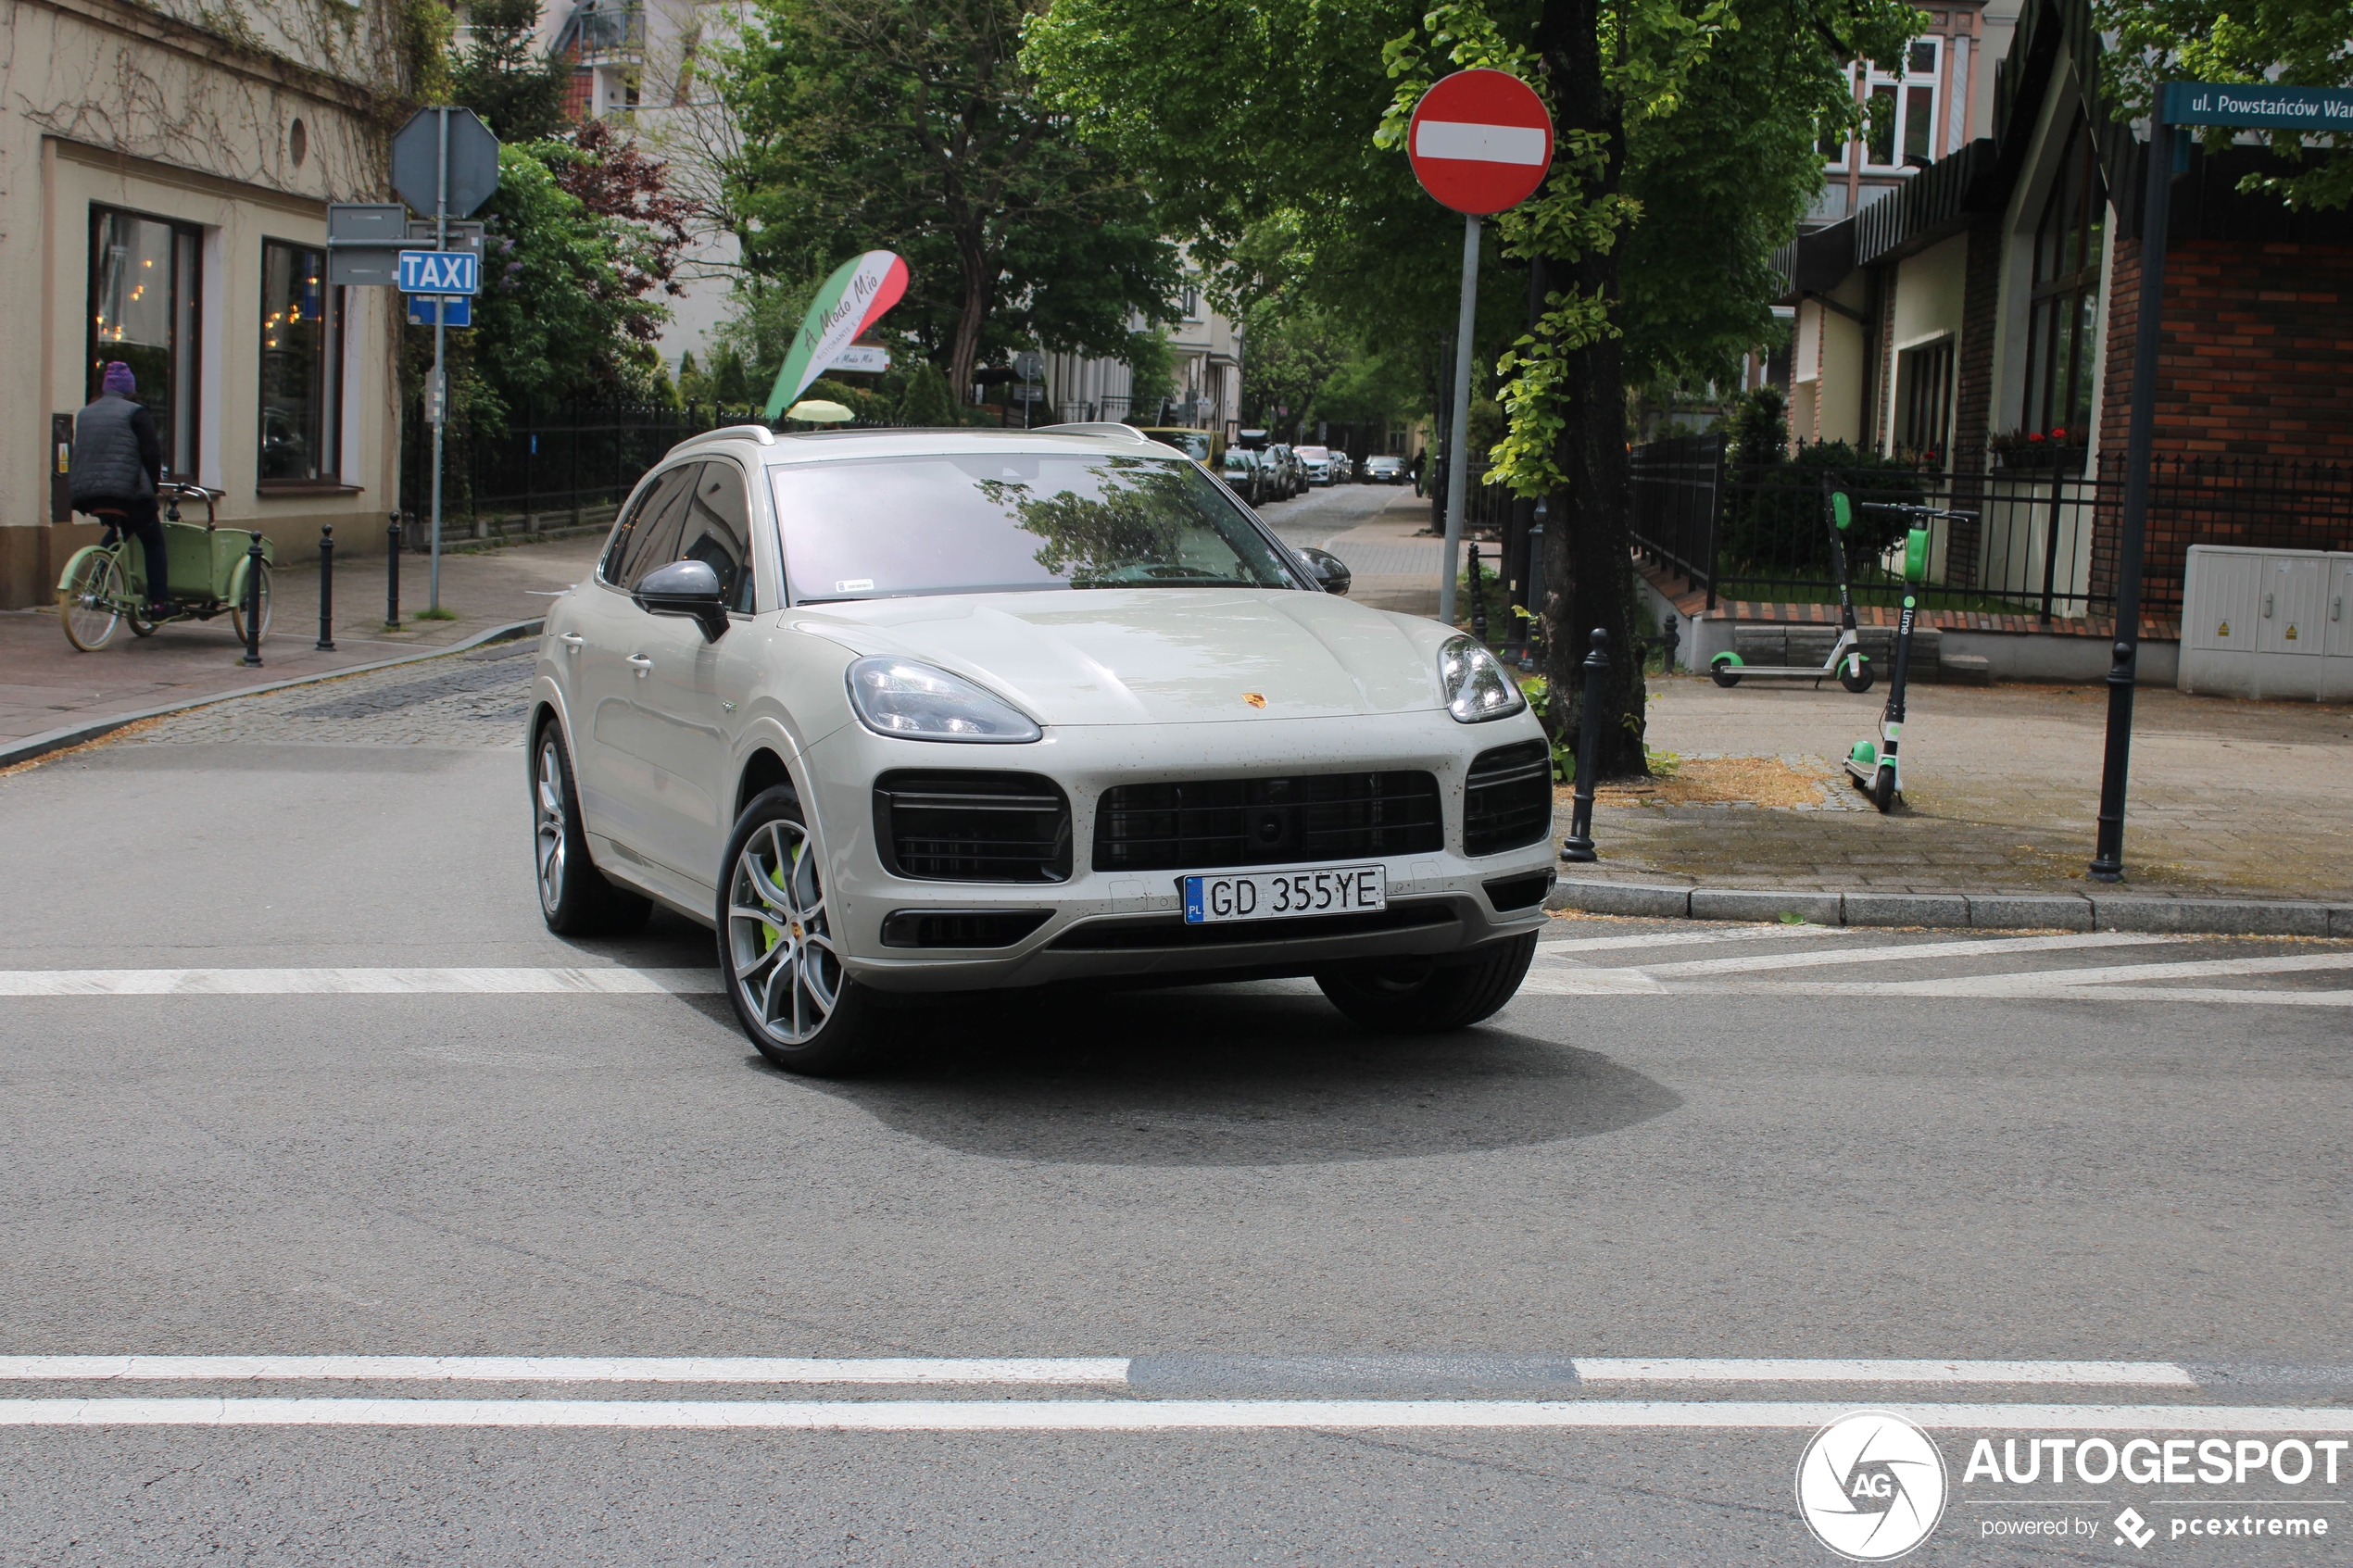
(761, 433)
(1120, 431)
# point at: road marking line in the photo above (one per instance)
(1589, 983)
(1672, 1369)
(1979, 948)
(356, 981)
(1687, 938)
(1993, 992)
(1140, 1415)
(576, 1369)
(2188, 969)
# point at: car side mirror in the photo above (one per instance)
(685, 587)
(1330, 570)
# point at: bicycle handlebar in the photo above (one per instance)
(1915, 511)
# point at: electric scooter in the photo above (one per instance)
(1874, 768)
(1846, 659)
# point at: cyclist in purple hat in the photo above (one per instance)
(117, 462)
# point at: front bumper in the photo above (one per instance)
(1128, 924)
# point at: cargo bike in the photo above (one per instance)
(105, 586)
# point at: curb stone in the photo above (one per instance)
(1981, 912)
(34, 747)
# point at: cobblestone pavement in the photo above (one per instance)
(472, 699)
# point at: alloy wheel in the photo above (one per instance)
(786, 972)
(548, 810)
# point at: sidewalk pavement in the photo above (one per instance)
(2229, 799)
(46, 685)
(1394, 565)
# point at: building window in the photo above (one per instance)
(2062, 336)
(1924, 399)
(301, 365)
(144, 286)
(1899, 111)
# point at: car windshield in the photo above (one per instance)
(1012, 522)
(1314, 454)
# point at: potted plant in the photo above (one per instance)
(2046, 451)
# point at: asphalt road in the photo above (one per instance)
(1322, 1282)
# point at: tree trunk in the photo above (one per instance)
(1587, 551)
(973, 259)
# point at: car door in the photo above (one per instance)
(615, 779)
(694, 691)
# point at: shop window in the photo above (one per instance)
(144, 286)
(301, 365)
(1924, 399)
(2062, 338)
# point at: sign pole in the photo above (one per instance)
(439, 397)
(1458, 454)
(2107, 857)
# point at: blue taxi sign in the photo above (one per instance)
(440, 272)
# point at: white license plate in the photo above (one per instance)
(1329, 890)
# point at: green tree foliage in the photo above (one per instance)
(2302, 43)
(910, 125)
(928, 402)
(1286, 160)
(503, 76)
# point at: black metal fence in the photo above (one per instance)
(552, 468)
(2043, 541)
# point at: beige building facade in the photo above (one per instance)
(164, 173)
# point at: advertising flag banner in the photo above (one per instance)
(846, 304)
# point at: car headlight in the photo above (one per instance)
(899, 697)
(1477, 686)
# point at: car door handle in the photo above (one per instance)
(571, 641)
(640, 663)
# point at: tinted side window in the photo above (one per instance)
(653, 537)
(718, 531)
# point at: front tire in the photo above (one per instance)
(1857, 674)
(778, 946)
(1884, 790)
(89, 603)
(574, 897)
(1725, 673)
(1424, 995)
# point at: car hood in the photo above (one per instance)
(1161, 656)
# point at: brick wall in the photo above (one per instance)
(2257, 351)
(1973, 388)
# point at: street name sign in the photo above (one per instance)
(1480, 141)
(2256, 106)
(440, 272)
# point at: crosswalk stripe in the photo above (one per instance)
(1670, 1369)
(2188, 969)
(1900, 953)
(569, 1369)
(1142, 1415)
(1990, 988)
(1547, 948)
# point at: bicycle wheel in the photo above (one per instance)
(237, 614)
(90, 604)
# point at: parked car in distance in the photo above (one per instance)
(1343, 467)
(1385, 470)
(902, 711)
(1317, 461)
(1289, 472)
(1248, 475)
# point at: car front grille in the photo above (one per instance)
(1207, 823)
(1507, 800)
(942, 826)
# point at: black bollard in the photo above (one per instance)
(1479, 597)
(253, 603)
(392, 575)
(1579, 843)
(326, 588)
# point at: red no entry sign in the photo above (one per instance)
(1480, 141)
